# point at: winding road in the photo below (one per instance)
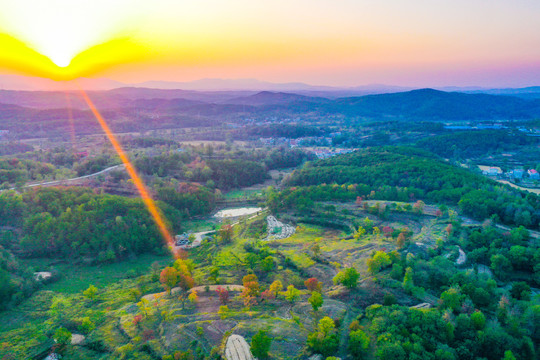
(58, 182)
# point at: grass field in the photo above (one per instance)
(74, 278)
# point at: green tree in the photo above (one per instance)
(500, 265)
(359, 233)
(260, 344)
(292, 294)
(348, 278)
(325, 340)
(91, 292)
(478, 320)
(268, 264)
(451, 299)
(378, 261)
(358, 343)
(408, 283)
(521, 291)
(62, 336)
(316, 300)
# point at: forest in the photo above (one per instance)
(401, 173)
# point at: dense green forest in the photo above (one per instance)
(78, 222)
(466, 144)
(405, 174)
(17, 171)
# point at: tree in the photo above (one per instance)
(251, 289)
(62, 336)
(359, 233)
(376, 232)
(358, 343)
(312, 284)
(324, 341)
(478, 320)
(449, 229)
(268, 264)
(348, 278)
(418, 207)
(316, 300)
(193, 297)
(223, 295)
(260, 344)
(378, 261)
(500, 265)
(169, 278)
(226, 233)
(368, 224)
(451, 299)
(521, 291)
(387, 230)
(87, 325)
(91, 292)
(391, 351)
(508, 355)
(408, 283)
(400, 240)
(276, 287)
(292, 294)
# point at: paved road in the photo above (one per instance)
(58, 182)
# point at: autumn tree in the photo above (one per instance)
(169, 278)
(226, 233)
(400, 240)
(387, 230)
(223, 295)
(449, 229)
(193, 297)
(312, 284)
(276, 287)
(251, 289)
(359, 233)
(418, 207)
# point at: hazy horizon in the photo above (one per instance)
(345, 43)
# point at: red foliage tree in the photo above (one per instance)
(223, 295)
(387, 230)
(312, 284)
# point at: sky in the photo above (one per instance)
(490, 43)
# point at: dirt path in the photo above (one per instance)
(199, 289)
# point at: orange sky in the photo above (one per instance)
(340, 42)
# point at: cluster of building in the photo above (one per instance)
(325, 153)
(516, 174)
(304, 141)
(183, 241)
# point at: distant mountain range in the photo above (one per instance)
(241, 86)
(423, 104)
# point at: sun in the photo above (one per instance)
(64, 30)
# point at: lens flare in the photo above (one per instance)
(139, 184)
